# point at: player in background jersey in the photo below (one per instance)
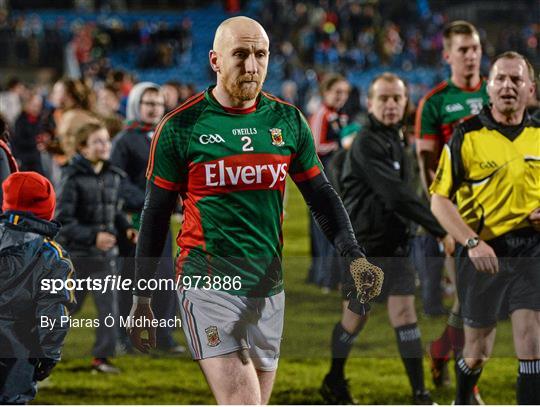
(227, 152)
(460, 96)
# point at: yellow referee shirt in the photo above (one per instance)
(493, 173)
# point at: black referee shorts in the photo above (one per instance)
(399, 277)
(516, 285)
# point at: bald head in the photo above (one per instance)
(240, 58)
(238, 27)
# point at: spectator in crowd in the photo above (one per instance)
(326, 125)
(187, 90)
(28, 128)
(29, 350)
(89, 208)
(8, 164)
(123, 82)
(74, 105)
(171, 93)
(107, 101)
(107, 108)
(289, 92)
(131, 149)
(11, 100)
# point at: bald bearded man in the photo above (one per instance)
(227, 152)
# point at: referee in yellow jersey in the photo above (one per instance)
(491, 169)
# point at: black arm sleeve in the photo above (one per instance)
(396, 194)
(158, 206)
(329, 212)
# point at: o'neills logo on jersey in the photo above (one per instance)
(219, 174)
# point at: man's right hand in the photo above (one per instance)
(449, 244)
(105, 241)
(483, 258)
(135, 333)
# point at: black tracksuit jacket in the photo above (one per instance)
(375, 190)
(89, 203)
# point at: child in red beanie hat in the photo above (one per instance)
(29, 192)
(29, 255)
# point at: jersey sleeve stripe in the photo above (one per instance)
(304, 176)
(187, 104)
(163, 183)
(418, 119)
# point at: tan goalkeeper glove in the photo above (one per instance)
(367, 279)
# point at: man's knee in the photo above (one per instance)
(476, 362)
(405, 312)
(401, 310)
(239, 391)
(527, 340)
(477, 351)
(352, 322)
(231, 381)
(242, 396)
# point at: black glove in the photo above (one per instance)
(357, 307)
(43, 368)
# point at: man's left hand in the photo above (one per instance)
(368, 279)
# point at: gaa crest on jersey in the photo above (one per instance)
(213, 336)
(277, 137)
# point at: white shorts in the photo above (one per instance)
(217, 323)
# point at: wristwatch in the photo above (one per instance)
(472, 242)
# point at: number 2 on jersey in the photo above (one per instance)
(247, 144)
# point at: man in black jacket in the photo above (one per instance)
(380, 204)
(30, 346)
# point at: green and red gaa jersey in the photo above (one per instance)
(442, 109)
(230, 167)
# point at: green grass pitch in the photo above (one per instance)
(375, 370)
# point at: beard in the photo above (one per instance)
(507, 109)
(245, 87)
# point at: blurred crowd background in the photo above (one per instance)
(120, 42)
